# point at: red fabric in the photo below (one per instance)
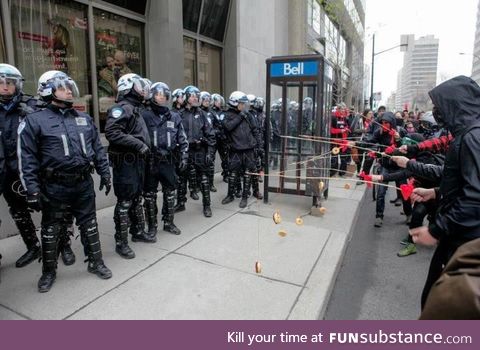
(406, 190)
(372, 154)
(367, 178)
(389, 149)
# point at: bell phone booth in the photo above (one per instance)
(298, 105)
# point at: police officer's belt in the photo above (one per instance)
(70, 177)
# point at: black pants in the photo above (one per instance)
(128, 176)
(197, 169)
(161, 173)
(445, 249)
(17, 202)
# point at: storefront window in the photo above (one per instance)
(189, 61)
(214, 18)
(191, 14)
(3, 55)
(119, 49)
(137, 6)
(209, 77)
(52, 35)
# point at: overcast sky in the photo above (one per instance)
(453, 22)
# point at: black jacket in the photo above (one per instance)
(10, 118)
(125, 129)
(458, 214)
(57, 140)
(165, 130)
(242, 130)
(198, 129)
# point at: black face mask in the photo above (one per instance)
(438, 117)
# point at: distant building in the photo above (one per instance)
(476, 50)
(418, 74)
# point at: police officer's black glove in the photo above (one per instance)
(107, 183)
(144, 150)
(183, 164)
(35, 201)
(209, 159)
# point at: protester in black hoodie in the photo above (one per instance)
(385, 136)
(457, 107)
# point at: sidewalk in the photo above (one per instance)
(208, 272)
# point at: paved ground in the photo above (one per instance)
(205, 273)
(373, 282)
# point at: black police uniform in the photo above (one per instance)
(58, 150)
(166, 137)
(212, 119)
(242, 131)
(276, 140)
(10, 117)
(221, 140)
(259, 152)
(128, 137)
(201, 141)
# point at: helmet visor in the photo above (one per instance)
(9, 87)
(65, 89)
(160, 95)
(142, 87)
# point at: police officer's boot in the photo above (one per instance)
(50, 235)
(26, 227)
(169, 200)
(137, 227)
(93, 249)
(192, 183)
(64, 244)
(122, 222)
(151, 210)
(181, 193)
(205, 186)
(246, 190)
(256, 187)
(238, 186)
(211, 176)
(231, 188)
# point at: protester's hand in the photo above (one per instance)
(401, 161)
(421, 235)
(107, 183)
(403, 149)
(422, 194)
(377, 178)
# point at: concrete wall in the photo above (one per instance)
(165, 42)
(262, 33)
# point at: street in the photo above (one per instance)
(373, 283)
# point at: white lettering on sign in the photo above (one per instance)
(288, 69)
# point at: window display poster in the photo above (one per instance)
(51, 35)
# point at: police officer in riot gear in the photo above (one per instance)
(259, 151)
(58, 150)
(201, 140)
(128, 137)
(178, 100)
(205, 106)
(242, 131)
(218, 105)
(14, 106)
(166, 132)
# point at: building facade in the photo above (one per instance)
(418, 74)
(218, 45)
(476, 50)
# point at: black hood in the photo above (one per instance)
(458, 102)
(389, 117)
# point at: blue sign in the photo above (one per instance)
(294, 69)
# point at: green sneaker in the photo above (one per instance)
(409, 249)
